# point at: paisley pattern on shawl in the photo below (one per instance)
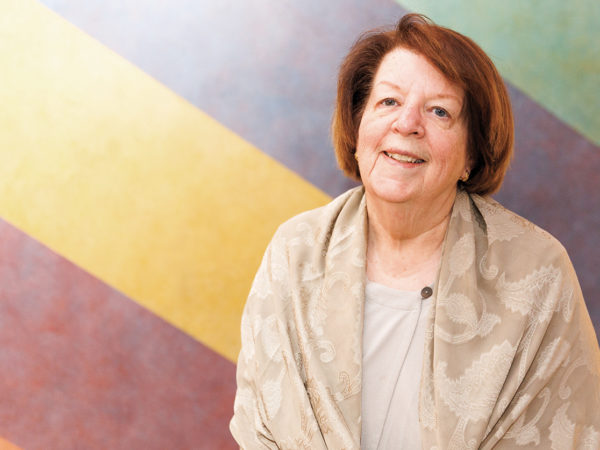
(510, 360)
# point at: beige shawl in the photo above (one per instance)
(511, 359)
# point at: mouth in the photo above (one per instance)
(404, 158)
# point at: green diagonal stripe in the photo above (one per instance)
(547, 49)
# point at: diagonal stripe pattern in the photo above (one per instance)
(85, 367)
(165, 211)
(125, 179)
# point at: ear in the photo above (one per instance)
(467, 169)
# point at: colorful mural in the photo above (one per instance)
(150, 149)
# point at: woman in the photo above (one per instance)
(414, 311)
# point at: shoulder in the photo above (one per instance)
(508, 246)
(319, 222)
(298, 251)
(507, 229)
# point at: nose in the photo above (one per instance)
(409, 121)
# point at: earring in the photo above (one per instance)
(465, 176)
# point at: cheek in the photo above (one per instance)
(361, 149)
(367, 137)
(461, 144)
(454, 149)
(360, 140)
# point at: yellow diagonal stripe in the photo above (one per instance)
(115, 172)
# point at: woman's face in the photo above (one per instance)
(412, 139)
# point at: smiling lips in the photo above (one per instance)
(403, 158)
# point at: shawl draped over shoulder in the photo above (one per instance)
(510, 357)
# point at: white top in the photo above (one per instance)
(393, 345)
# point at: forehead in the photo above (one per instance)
(406, 69)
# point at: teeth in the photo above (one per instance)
(403, 158)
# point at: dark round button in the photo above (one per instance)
(426, 292)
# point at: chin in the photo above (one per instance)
(391, 192)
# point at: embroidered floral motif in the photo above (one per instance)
(472, 395)
(461, 310)
(318, 408)
(526, 433)
(535, 295)
(461, 256)
(271, 396)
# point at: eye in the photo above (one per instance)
(440, 112)
(389, 102)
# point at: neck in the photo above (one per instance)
(405, 240)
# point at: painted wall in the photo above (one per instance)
(150, 149)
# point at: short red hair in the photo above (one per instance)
(486, 105)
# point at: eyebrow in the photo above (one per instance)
(440, 95)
